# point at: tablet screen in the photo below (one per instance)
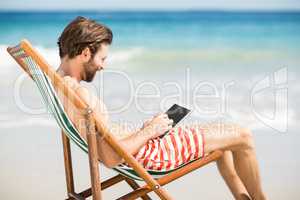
(177, 113)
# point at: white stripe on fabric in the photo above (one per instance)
(179, 147)
(185, 143)
(193, 144)
(165, 156)
(172, 151)
(154, 154)
(141, 152)
(151, 157)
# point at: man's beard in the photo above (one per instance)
(90, 70)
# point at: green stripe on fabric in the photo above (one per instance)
(49, 101)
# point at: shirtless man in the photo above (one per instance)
(83, 48)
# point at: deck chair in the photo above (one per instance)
(48, 82)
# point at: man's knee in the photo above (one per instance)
(247, 138)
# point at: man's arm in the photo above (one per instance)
(109, 157)
(154, 128)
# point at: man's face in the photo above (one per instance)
(96, 63)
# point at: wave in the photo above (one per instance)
(136, 53)
(8, 64)
(52, 56)
(143, 57)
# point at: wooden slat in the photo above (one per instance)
(105, 184)
(19, 61)
(174, 175)
(68, 163)
(135, 186)
(93, 157)
(74, 196)
(14, 49)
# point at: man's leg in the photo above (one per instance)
(238, 140)
(227, 170)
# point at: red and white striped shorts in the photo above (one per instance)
(179, 146)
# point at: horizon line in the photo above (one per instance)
(153, 10)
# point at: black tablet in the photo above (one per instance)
(176, 113)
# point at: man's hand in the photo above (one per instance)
(158, 125)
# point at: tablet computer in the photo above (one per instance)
(176, 113)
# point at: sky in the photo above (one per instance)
(149, 5)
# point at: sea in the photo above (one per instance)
(226, 66)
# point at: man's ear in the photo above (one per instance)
(86, 54)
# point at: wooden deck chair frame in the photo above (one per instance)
(94, 122)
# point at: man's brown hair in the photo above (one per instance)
(82, 33)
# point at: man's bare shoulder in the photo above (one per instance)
(88, 97)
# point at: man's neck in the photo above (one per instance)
(70, 67)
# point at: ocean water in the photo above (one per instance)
(241, 67)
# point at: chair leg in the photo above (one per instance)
(68, 164)
(93, 159)
(135, 186)
(105, 184)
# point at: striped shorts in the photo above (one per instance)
(179, 146)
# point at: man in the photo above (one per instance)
(83, 48)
